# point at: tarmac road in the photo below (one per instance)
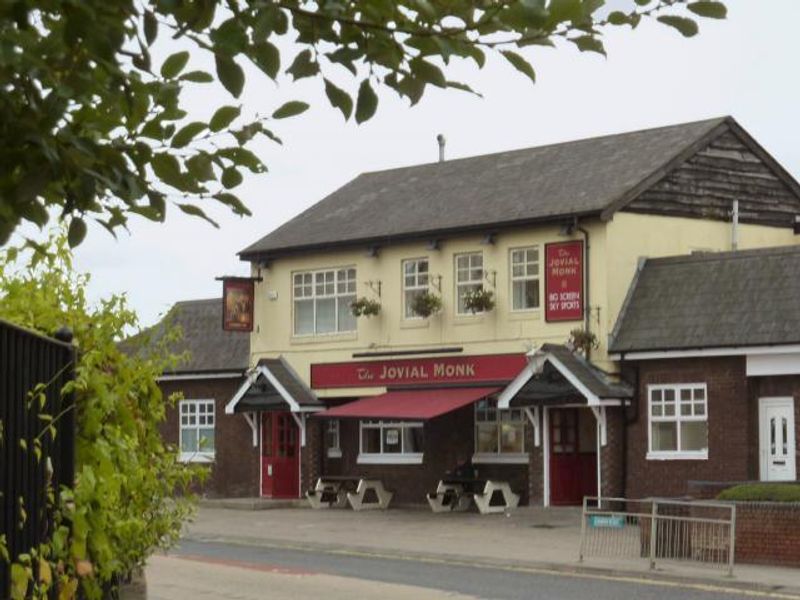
(201, 569)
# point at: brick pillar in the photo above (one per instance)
(311, 455)
(611, 453)
(535, 472)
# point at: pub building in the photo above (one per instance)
(492, 287)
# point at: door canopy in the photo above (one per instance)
(273, 385)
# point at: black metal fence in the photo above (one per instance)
(26, 360)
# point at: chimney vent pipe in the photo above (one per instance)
(442, 141)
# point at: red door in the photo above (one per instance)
(280, 456)
(573, 455)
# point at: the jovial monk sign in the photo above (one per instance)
(563, 281)
(418, 371)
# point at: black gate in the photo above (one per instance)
(28, 359)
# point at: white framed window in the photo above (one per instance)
(678, 421)
(499, 434)
(525, 279)
(415, 283)
(469, 277)
(390, 442)
(322, 301)
(196, 430)
(332, 439)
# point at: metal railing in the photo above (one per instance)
(653, 529)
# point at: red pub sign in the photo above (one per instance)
(563, 281)
(452, 369)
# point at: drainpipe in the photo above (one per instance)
(587, 305)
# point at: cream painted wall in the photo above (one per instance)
(614, 250)
(498, 331)
(632, 236)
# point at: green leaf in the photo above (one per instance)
(519, 63)
(231, 177)
(187, 133)
(231, 200)
(587, 43)
(290, 109)
(76, 232)
(367, 102)
(197, 77)
(687, 27)
(242, 157)
(618, 18)
(303, 66)
(230, 74)
(167, 168)
(428, 72)
(174, 64)
(150, 27)
(200, 167)
(223, 117)
(709, 9)
(196, 211)
(267, 58)
(339, 99)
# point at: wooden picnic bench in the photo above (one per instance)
(362, 493)
(457, 493)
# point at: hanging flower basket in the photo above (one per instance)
(582, 341)
(426, 304)
(479, 300)
(365, 307)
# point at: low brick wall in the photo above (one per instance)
(767, 533)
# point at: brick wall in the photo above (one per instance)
(730, 415)
(768, 533)
(611, 455)
(234, 472)
(448, 441)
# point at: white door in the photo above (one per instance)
(777, 439)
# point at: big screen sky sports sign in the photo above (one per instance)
(563, 281)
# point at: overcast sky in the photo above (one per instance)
(746, 66)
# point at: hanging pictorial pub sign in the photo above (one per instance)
(237, 304)
(563, 282)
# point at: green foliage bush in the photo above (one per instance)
(762, 492)
(131, 494)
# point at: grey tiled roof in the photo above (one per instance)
(211, 349)
(534, 184)
(743, 298)
(291, 381)
(592, 377)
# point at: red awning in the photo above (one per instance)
(412, 405)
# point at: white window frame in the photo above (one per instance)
(333, 429)
(525, 277)
(677, 418)
(408, 314)
(394, 458)
(314, 297)
(467, 283)
(198, 455)
(499, 456)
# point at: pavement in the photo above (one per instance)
(526, 538)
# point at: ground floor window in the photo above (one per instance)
(332, 436)
(678, 421)
(390, 442)
(499, 434)
(197, 430)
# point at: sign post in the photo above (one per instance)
(564, 281)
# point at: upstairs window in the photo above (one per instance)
(415, 283)
(469, 277)
(524, 279)
(322, 301)
(678, 421)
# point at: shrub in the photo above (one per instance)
(426, 304)
(365, 307)
(479, 300)
(762, 492)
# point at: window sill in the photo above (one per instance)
(469, 319)
(418, 323)
(500, 459)
(324, 338)
(677, 455)
(388, 459)
(533, 314)
(194, 457)
(334, 453)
